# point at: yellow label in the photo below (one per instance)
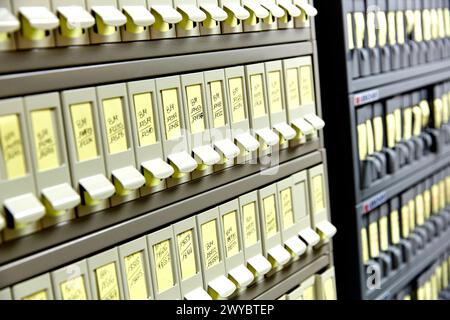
(390, 124)
(230, 234)
(371, 31)
(84, 131)
(398, 125)
(186, 252)
(270, 216)
(392, 28)
(115, 125)
(379, 133)
(286, 208)
(395, 230)
(427, 203)
(162, 254)
(400, 27)
(145, 119)
(370, 140)
(293, 96)
(437, 113)
(426, 24)
(447, 21)
(418, 26)
(73, 289)
(421, 293)
(407, 123)
(237, 99)
(405, 221)
(441, 23)
(412, 215)
(306, 85)
(417, 126)
(42, 123)
(364, 245)
(445, 107)
(350, 39)
(434, 24)
(442, 194)
(445, 273)
(317, 194)
(257, 94)
(107, 282)
(420, 210)
(135, 275)
(382, 28)
(249, 225)
(218, 107)
(12, 147)
(409, 21)
(407, 297)
(210, 244)
(428, 289)
(329, 289)
(195, 106)
(171, 112)
(434, 198)
(275, 96)
(309, 293)
(360, 28)
(41, 295)
(447, 189)
(373, 233)
(384, 233)
(425, 107)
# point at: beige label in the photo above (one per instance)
(418, 35)
(317, 193)
(364, 246)
(442, 201)
(43, 129)
(171, 110)
(374, 245)
(136, 277)
(12, 146)
(250, 224)
(371, 31)
(379, 133)
(237, 99)
(350, 38)
(441, 23)
(230, 234)
(405, 221)
(434, 198)
(74, 289)
(425, 107)
(195, 107)
(382, 28)
(427, 203)
(417, 126)
(392, 25)
(306, 85)
(107, 282)
(434, 24)
(447, 189)
(420, 210)
(329, 289)
(84, 131)
(370, 139)
(162, 254)
(407, 123)
(309, 293)
(447, 21)
(426, 24)
(187, 254)
(275, 96)
(384, 233)
(398, 125)
(41, 295)
(217, 103)
(395, 229)
(390, 124)
(257, 94)
(286, 208)
(210, 244)
(400, 18)
(360, 29)
(412, 214)
(145, 119)
(270, 215)
(115, 125)
(293, 96)
(438, 105)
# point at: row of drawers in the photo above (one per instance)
(215, 254)
(49, 23)
(91, 148)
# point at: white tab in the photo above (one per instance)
(2, 222)
(129, 177)
(247, 141)
(110, 15)
(305, 127)
(239, 12)
(305, 6)
(183, 161)
(297, 246)
(167, 13)
(287, 5)
(326, 228)
(61, 197)
(216, 12)
(315, 121)
(98, 187)
(268, 136)
(310, 236)
(40, 17)
(25, 208)
(77, 17)
(260, 264)
(206, 155)
(280, 255)
(8, 22)
(256, 8)
(241, 275)
(223, 286)
(158, 168)
(193, 13)
(270, 5)
(197, 294)
(139, 15)
(285, 130)
(227, 148)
